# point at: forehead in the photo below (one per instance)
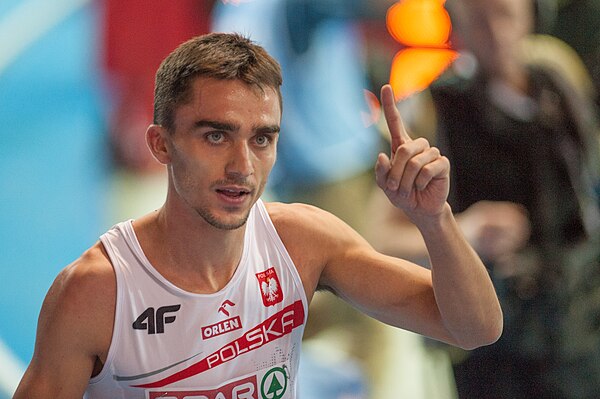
(494, 8)
(205, 91)
(229, 99)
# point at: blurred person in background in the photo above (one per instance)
(522, 135)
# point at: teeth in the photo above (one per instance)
(231, 192)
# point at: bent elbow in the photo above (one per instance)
(495, 326)
(484, 340)
(487, 332)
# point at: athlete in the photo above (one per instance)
(207, 296)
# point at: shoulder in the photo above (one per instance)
(308, 224)
(74, 329)
(293, 215)
(554, 56)
(90, 275)
(82, 299)
(314, 238)
(456, 89)
(460, 77)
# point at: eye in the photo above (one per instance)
(215, 137)
(263, 140)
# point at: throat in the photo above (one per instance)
(201, 279)
(195, 258)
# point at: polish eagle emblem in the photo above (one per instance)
(270, 287)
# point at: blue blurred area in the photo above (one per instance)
(52, 165)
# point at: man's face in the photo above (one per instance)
(493, 30)
(222, 149)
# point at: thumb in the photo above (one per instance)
(382, 168)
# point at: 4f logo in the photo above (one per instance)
(154, 321)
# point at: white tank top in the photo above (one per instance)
(241, 342)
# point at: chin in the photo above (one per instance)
(223, 223)
(230, 226)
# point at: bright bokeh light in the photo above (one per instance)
(419, 23)
(423, 27)
(413, 69)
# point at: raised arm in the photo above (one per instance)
(74, 330)
(454, 301)
(416, 179)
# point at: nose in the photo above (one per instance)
(240, 161)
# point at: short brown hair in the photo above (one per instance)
(226, 56)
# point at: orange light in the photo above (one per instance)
(423, 26)
(419, 23)
(413, 69)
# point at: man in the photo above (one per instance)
(207, 296)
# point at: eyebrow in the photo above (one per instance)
(217, 125)
(232, 127)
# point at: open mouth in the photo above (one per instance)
(233, 193)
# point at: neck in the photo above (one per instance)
(188, 251)
(516, 77)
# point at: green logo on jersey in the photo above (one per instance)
(274, 383)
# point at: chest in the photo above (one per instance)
(242, 340)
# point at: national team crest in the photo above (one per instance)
(270, 287)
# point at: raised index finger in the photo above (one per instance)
(398, 134)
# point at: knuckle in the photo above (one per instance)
(403, 151)
(413, 165)
(442, 161)
(422, 141)
(427, 173)
(394, 175)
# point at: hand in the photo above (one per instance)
(415, 177)
(495, 229)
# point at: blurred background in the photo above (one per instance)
(76, 87)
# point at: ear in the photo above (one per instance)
(156, 139)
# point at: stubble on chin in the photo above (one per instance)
(215, 222)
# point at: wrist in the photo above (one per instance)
(436, 223)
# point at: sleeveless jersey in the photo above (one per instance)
(242, 342)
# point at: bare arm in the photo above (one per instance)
(416, 179)
(455, 301)
(74, 329)
(456, 305)
(461, 284)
